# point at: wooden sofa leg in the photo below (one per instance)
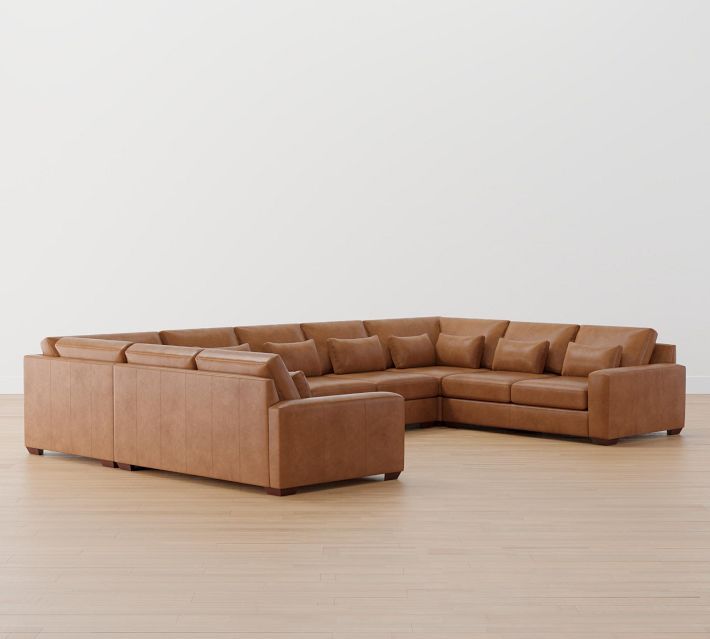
(604, 442)
(108, 463)
(280, 492)
(127, 466)
(674, 431)
(35, 451)
(391, 476)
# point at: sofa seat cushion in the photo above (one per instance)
(554, 392)
(326, 385)
(485, 385)
(408, 385)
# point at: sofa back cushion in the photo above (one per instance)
(100, 350)
(299, 379)
(582, 360)
(492, 331)
(358, 355)
(559, 336)
(264, 365)
(384, 329)
(319, 332)
(297, 356)
(520, 356)
(257, 336)
(459, 350)
(636, 343)
(162, 355)
(412, 352)
(201, 337)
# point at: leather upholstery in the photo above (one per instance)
(299, 379)
(411, 352)
(48, 346)
(582, 360)
(520, 356)
(297, 356)
(663, 354)
(356, 355)
(636, 399)
(491, 330)
(553, 392)
(407, 327)
(559, 336)
(263, 365)
(488, 386)
(421, 411)
(459, 350)
(438, 372)
(326, 439)
(637, 343)
(239, 347)
(337, 385)
(160, 355)
(408, 385)
(103, 350)
(257, 336)
(319, 332)
(140, 337)
(202, 337)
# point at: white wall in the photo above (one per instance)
(179, 164)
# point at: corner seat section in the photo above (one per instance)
(408, 385)
(326, 385)
(485, 385)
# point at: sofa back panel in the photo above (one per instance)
(663, 354)
(162, 355)
(257, 336)
(637, 344)
(492, 331)
(99, 350)
(405, 327)
(201, 337)
(48, 346)
(559, 336)
(139, 337)
(319, 332)
(264, 365)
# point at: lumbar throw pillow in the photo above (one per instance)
(299, 379)
(298, 356)
(520, 356)
(581, 360)
(357, 355)
(411, 352)
(459, 350)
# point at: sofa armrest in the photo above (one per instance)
(324, 439)
(636, 399)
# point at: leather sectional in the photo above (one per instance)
(289, 405)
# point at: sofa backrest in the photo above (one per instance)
(98, 350)
(319, 332)
(162, 355)
(492, 331)
(265, 365)
(559, 336)
(201, 337)
(143, 337)
(257, 336)
(404, 327)
(637, 344)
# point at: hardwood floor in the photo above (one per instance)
(485, 534)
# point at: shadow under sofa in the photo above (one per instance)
(148, 399)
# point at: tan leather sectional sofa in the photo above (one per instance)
(290, 405)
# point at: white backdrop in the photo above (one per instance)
(181, 164)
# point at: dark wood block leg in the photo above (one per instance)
(35, 451)
(127, 466)
(674, 431)
(390, 476)
(280, 492)
(604, 442)
(108, 463)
